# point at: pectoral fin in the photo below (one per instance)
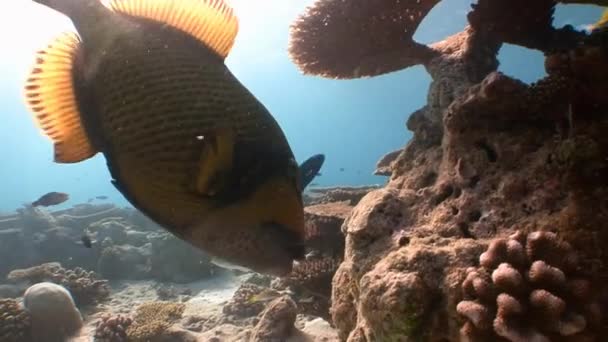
(216, 162)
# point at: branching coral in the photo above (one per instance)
(152, 319)
(14, 322)
(84, 286)
(112, 328)
(528, 289)
(356, 38)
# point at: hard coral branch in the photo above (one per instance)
(538, 296)
(356, 38)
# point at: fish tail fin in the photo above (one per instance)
(212, 22)
(49, 95)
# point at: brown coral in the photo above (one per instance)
(112, 328)
(14, 322)
(356, 38)
(85, 286)
(522, 22)
(528, 289)
(152, 319)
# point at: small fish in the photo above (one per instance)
(103, 198)
(307, 300)
(228, 265)
(341, 169)
(267, 295)
(86, 241)
(309, 169)
(50, 199)
(312, 255)
(185, 142)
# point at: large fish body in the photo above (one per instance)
(144, 82)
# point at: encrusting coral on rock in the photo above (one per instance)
(529, 288)
(84, 286)
(490, 156)
(15, 322)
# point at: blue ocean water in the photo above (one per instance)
(353, 122)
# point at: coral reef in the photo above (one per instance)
(153, 319)
(112, 328)
(14, 322)
(490, 155)
(54, 316)
(527, 289)
(85, 286)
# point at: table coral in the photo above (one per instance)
(339, 39)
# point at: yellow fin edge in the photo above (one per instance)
(49, 96)
(212, 22)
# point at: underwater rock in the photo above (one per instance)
(84, 286)
(384, 165)
(177, 261)
(114, 228)
(529, 288)
(10, 291)
(125, 262)
(276, 322)
(54, 315)
(13, 251)
(15, 322)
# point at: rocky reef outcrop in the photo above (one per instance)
(490, 156)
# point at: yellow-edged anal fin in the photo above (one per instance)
(49, 95)
(210, 21)
(215, 162)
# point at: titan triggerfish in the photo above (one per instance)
(144, 82)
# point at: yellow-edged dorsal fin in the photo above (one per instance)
(216, 161)
(49, 95)
(210, 21)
